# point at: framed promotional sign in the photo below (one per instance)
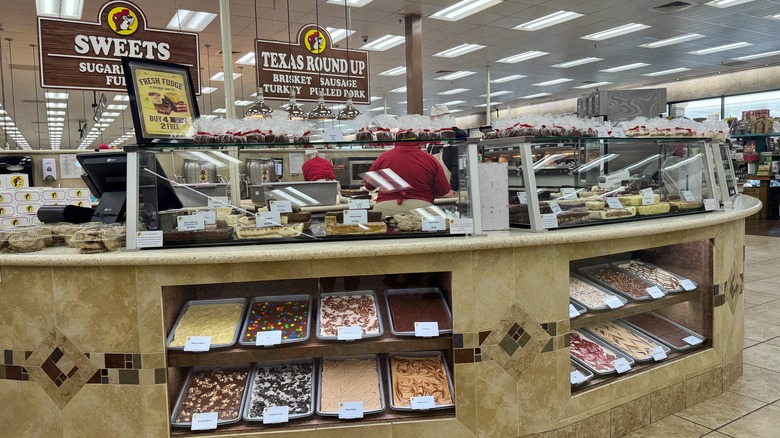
(162, 100)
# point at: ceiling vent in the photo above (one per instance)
(675, 6)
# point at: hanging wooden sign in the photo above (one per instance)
(311, 65)
(83, 55)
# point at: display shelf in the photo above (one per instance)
(632, 308)
(774, 134)
(333, 144)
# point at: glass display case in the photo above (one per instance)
(564, 182)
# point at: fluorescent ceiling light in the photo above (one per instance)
(453, 102)
(248, 59)
(207, 90)
(244, 102)
(666, 72)
(56, 124)
(552, 82)
(758, 55)
(577, 62)
(506, 79)
(453, 91)
(673, 40)
(394, 71)
(384, 43)
(56, 119)
(193, 21)
(56, 105)
(337, 34)
(463, 9)
(624, 67)
(112, 114)
(117, 107)
(456, 75)
(482, 105)
(55, 95)
(121, 98)
(354, 3)
(101, 125)
(497, 93)
(459, 50)
(721, 48)
(726, 3)
(548, 20)
(105, 120)
(456, 111)
(593, 85)
(399, 90)
(220, 111)
(403, 102)
(522, 57)
(615, 31)
(373, 98)
(220, 76)
(379, 108)
(59, 8)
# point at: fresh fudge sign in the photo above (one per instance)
(312, 66)
(87, 56)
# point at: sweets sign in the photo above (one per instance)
(311, 66)
(87, 56)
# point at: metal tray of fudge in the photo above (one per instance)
(424, 290)
(190, 304)
(647, 357)
(250, 397)
(244, 340)
(177, 408)
(665, 330)
(642, 295)
(370, 293)
(340, 358)
(604, 347)
(663, 278)
(601, 289)
(390, 357)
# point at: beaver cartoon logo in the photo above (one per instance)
(2, 210)
(315, 41)
(17, 181)
(122, 21)
(27, 197)
(30, 209)
(78, 192)
(54, 195)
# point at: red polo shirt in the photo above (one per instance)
(418, 168)
(318, 168)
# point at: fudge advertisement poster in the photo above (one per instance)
(164, 106)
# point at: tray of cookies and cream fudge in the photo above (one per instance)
(218, 319)
(670, 333)
(219, 390)
(593, 353)
(592, 296)
(628, 340)
(620, 281)
(281, 383)
(669, 281)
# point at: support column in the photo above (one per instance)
(487, 95)
(227, 59)
(414, 72)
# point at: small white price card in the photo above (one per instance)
(655, 292)
(190, 222)
(621, 365)
(687, 196)
(648, 198)
(602, 132)
(423, 403)
(197, 343)
(567, 191)
(269, 338)
(218, 201)
(355, 216)
(710, 205)
(613, 202)
(549, 220)
(658, 353)
(462, 226)
(426, 329)
(614, 302)
(276, 414)
(350, 333)
(573, 313)
(577, 377)
(149, 239)
(281, 206)
(351, 409)
(358, 204)
(204, 421)
(522, 197)
(614, 180)
(332, 134)
(555, 207)
(434, 224)
(692, 340)
(209, 217)
(688, 284)
(266, 219)
(618, 133)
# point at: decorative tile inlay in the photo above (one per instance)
(734, 287)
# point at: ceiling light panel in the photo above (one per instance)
(459, 50)
(758, 55)
(122, 98)
(625, 67)
(220, 76)
(109, 114)
(577, 62)
(244, 102)
(394, 71)
(59, 8)
(482, 105)
(534, 96)
(593, 85)
(55, 95)
(506, 79)
(56, 105)
(399, 90)
(552, 82)
(453, 103)
(207, 90)
(674, 40)
(463, 9)
(453, 91)
(191, 21)
(337, 34)
(497, 93)
(522, 57)
(726, 3)
(615, 32)
(353, 3)
(722, 48)
(455, 75)
(117, 107)
(666, 72)
(247, 59)
(548, 20)
(384, 43)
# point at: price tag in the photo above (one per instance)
(281, 206)
(692, 340)
(613, 302)
(618, 133)
(614, 203)
(614, 180)
(602, 132)
(423, 403)
(549, 220)
(426, 329)
(462, 226)
(567, 191)
(355, 216)
(687, 196)
(149, 239)
(209, 217)
(577, 377)
(573, 312)
(655, 292)
(268, 219)
(555, 207)
(197, 343)
(349, 410)
(687, 284)
(710, 205)
(190, 222)
(350, 333)
(204, 421)
(522, 197)
(621, 365)
(648, 197)
(658, 353)
(358, 204)
(332, 134)
(276, 414)
(434, 224)
(218, 201)
(269, 338)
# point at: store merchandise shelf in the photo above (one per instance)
(633, 308)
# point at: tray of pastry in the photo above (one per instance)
(345, 309)
(626, 339)
(219, 319)
(350, 379)
(288, 314)
(596, 355)
(620, 281)
(407, 307)
(575, 365)
(667, 280)
(670, 333)
(281, 383)
(419, 374)
(218, 389)
(591, 295)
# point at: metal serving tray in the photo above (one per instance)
(275, 299)
(657, 338)
(188, 304)
(677, 276)
(578, 307)
(585, 272)
(338, 294)
(648, 358)
(582, 368)
(425, 290)
(268, 364)
(602, 344)
(379, 377)
(599, 287)
(390, 356)
(194, 370)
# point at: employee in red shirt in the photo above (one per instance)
(420, 170)
(316, 168)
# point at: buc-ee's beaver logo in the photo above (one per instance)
(17, 181)
(315, 41)
(123, 21)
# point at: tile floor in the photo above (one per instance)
(750, 408)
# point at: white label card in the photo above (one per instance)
(549, 220)
(355, 216)
(269, 338)
(614, 302)
(281, 206)
(648, 198)
(423, 403)
(658, 353)
(462, 226)
(197, 343)
(209, 217)
(268, 219)
(555, 207)
(276, 414)
(332, 134)
(688, 284)
(577, 377)
(618, 133)
(710, 205)
(621, 365)
(218, 201)
(426, 329)
(359, 204)
(566, 191)
(687, 196)
(149, 239)
(522, 197)
(190, 222)
(434, 224)
(350, 333)
(602, 132)
(204, 421)
(614, 203)
(352, 409)
(655, 292)
(614, 180)
(573, 312)
(692, 340)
